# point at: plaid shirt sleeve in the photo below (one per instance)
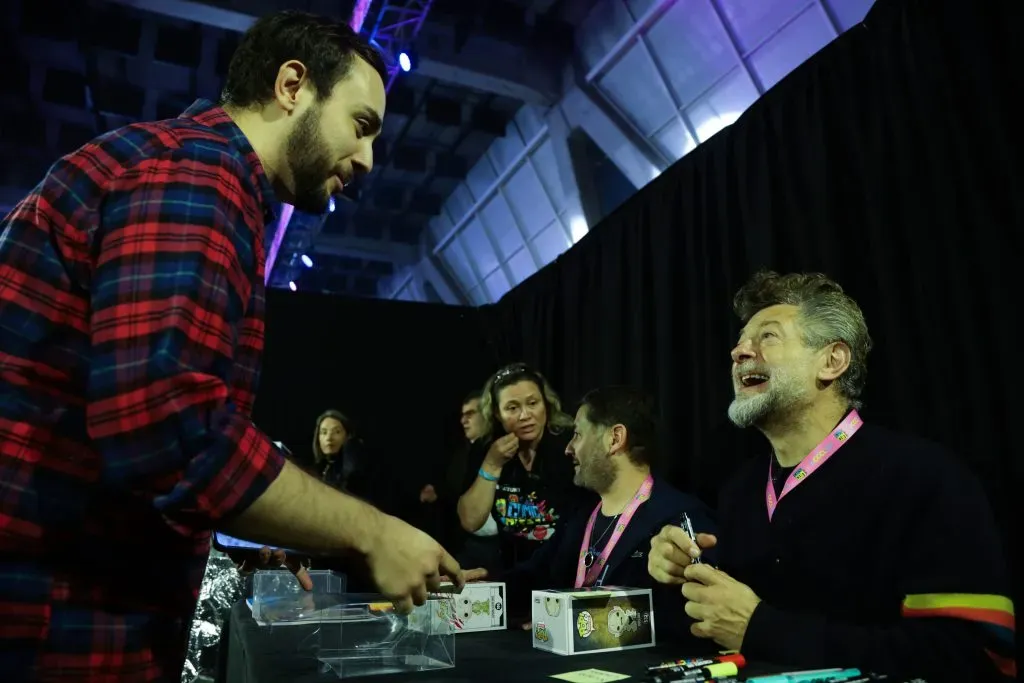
(172, 280)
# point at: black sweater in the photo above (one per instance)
(886, 558)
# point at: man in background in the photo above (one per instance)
(612, 448)
(131, 304)
(479, 549)
(845, 544)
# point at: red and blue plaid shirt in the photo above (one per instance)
(131, 329)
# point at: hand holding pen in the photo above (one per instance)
(673, 550)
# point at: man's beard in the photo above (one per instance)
(596, 473)
(311, 165)
(783, 395)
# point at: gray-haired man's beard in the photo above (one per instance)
(756, 410)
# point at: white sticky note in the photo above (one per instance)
(590, 676)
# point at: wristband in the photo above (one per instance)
(487, 476)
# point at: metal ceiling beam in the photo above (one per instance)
(367, 249)
(540, 7)
(525, 78)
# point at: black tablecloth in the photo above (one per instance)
(285, 655)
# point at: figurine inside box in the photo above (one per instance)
(586, 620)
(366, 637)
(479, 607)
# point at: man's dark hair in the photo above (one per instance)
(474, 395)
(327, 47)
(631, 408)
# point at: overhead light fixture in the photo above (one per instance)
(291, 286)
(306, 261)
(407, 60)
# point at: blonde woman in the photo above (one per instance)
(520, 475)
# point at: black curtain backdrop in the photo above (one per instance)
(399, 370)
(891, 161)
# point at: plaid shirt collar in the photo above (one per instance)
(206, 113)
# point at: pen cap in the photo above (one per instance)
(739, 660)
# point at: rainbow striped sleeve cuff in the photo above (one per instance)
(993, 612)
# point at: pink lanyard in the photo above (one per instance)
(585, 575)
(815, 459)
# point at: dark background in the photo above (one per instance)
(891, 161)
(398, 370)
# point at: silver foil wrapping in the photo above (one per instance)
(222, 588)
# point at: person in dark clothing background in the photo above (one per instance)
(479, 548)
(342, 460)
(846, 544)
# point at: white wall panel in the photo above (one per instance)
(692, 47)
(790, 47)
(479, 180)
(545, 164)
(530, 121)
(521, 265)
(849, 13)
(439, 227)
(506, 150)
(497, 285)
(551, 242)
(722, 105)
(498, 218)
(634, 86)
(458, 264)
(580, 111)
(693, 68)
(460, 203)
(479, 248)
(754, 21)
(673, 140)
(530, 202)
(479, 296)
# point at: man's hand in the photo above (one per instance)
(478, 574)
(267, 558)
(406, 564)
(721, 605)
(428, 494)
(672, 552)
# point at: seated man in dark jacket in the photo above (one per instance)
(844, 544)
(607, 545)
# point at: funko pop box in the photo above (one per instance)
(479, 607)
(585, 620)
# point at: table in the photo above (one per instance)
(284, 655)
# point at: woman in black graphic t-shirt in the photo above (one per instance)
(520, 474)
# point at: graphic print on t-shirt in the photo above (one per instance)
(523, 514)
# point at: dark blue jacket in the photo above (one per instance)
(554, 564)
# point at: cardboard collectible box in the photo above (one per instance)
(479, 607)
(583, 620)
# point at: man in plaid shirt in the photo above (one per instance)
(131, 330)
